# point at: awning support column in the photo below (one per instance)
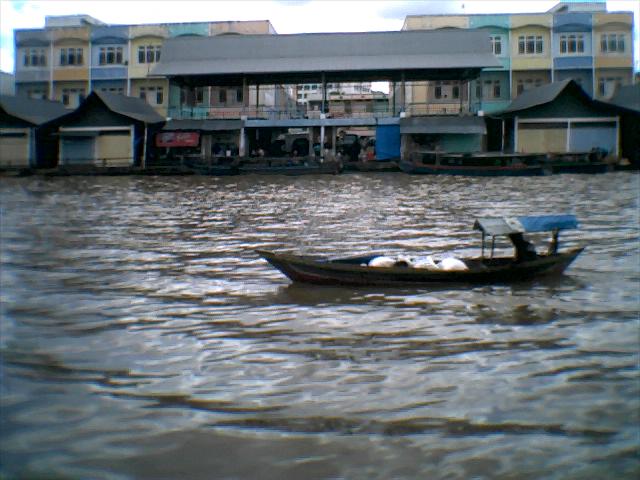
(403, 93)
(257, 101)
(393, 99)
(242, 144)
(322, 116)
(324, 92)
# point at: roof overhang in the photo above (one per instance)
(443, 124)
(336, 57)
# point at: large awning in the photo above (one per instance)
(340, 57)
(443, 124)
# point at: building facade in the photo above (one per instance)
(581, 41)
(75, 55)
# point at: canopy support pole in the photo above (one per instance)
(324, 92)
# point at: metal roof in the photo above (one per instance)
(226, 59)
(132, 107)
(540, 223)
(32, 110)
(538, 96)
(443, 124)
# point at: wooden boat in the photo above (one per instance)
(581, 162)
(357, 270)
(372, 166)
(288, 166)
(489, 164)
(218, 166)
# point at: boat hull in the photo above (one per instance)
(474, 170)
(351, 272)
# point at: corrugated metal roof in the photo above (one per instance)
(448, 124)
(31, 110)
(132, 107)
(335, 53)
(538, 96)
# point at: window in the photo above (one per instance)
(110, 56)
(612, 43)
(496, 89)
(72, 97)
(71, 56)
(149, 54)
(222, 96)
(34, 57)
(240, 95)
(608, 85)
(530, 45)
(152, 95)
(438, 90)
(37, 94)
(496, 44)
(527, 84)
(116, 90)
(572, 43)
(199, 92)
(455, 91)
(488, 89)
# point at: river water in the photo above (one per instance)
(142, 338)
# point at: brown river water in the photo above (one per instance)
(142, 338)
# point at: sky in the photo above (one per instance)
(286, 16)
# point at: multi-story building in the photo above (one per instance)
(312, 92)
(579, 40)
(74, 55)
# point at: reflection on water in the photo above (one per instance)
(142, 337)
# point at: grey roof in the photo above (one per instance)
(132, 107)
(31, 110)
(338, 55)
(203, 125)
(537, 96)
(627, 96)
(448, 124)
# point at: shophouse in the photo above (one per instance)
(573, 40)
(74, 55)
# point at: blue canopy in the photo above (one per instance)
(546, 223)
(508, 225)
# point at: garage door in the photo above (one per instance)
(77, 151)
(114, 149)
(14, 149)
(534, 139)
(585, 136)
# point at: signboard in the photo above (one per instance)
(177, 139)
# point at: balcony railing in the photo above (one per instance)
(298, 112)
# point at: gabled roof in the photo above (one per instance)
(132, 107)
(337, 55)
(627, 96)
(33, 111)
(539, 96)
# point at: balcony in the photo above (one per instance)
(203, 112)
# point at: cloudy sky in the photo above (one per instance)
(286, 16)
